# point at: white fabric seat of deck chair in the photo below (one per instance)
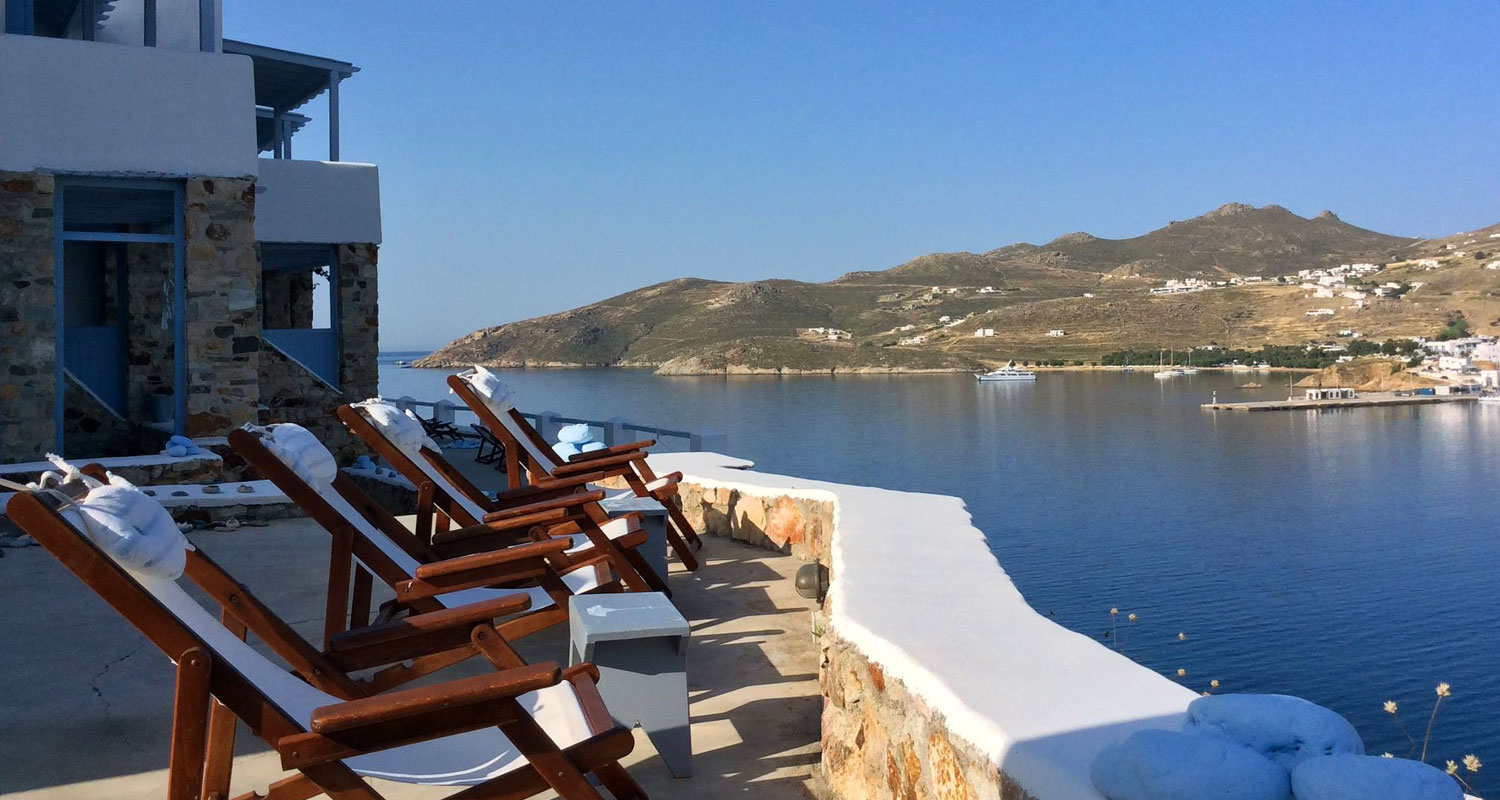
(387, 419)
(496, 396)
(578, 581)
(463, 759)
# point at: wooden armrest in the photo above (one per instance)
(572, 479)
(371, 724)
(541, 490)
(441, 697)
(613, 451)
(480, 561)
(598, 464)
(556, 503)
(520, 523)
(432, 634)
(464, 617)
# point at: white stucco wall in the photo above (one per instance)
(317, 202)
(917, 590)
(94, 107)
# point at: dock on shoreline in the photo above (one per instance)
(1359, 401)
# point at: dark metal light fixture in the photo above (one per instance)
(812, 581)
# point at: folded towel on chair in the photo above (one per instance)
(129, 526)
(400, 426)
(296, 447)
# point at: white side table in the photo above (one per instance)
(638, 641)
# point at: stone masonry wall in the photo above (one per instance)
(223, 306)
(798, 526)
(359, 320)
(150, 347)
(92, 430)
(291, 394)
(28, 348)
(879, 742)
(882, 741)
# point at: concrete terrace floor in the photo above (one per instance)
(86, 709)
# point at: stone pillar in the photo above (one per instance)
(223, 315)
(28, 329)
(359, 321)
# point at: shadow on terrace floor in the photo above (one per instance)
(87, 707)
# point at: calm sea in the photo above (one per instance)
(1348, 557)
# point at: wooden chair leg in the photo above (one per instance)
(618, 782)
(654, 582)
(340, 563)
(340, 783)
(425, 499)
(552, 764)
(364, 587)
(219, 760)
(686, 528)
(494, 648)
(190, 708)
(297, 787)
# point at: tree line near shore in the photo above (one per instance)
(1286, 356)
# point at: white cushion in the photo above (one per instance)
(399, 426)
(296, 447)
(494, 392)
(576, 433)
(131, 528)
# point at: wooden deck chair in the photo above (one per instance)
(526, 450)
(392, 434)
(508, 735)
(369, 543)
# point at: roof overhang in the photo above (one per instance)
(285, 80)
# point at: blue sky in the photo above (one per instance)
(539, 156)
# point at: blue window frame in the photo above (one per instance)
(300, 306)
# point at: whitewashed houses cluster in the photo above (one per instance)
(1184, 286)
(831, 334)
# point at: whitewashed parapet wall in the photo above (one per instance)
(938, 679)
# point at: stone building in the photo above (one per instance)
(166, 267)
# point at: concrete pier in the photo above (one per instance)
(1359, 401)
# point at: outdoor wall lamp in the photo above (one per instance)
(812, 581)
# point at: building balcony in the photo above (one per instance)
(317, 202)
(76, 106)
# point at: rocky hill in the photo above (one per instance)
(959, 311)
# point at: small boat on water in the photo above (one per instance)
(1007, 374)
(1250, 385)
(1165, 371)
(403, 364)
